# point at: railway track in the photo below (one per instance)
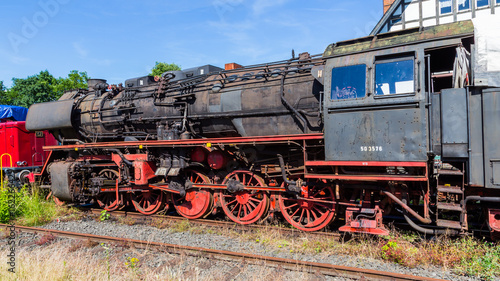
(289, 264)
(216, 223)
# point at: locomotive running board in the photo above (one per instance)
(190, 142)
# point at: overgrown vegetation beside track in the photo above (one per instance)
(465, 256)
(30, 207)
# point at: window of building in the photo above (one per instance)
(482, 3)
(395, 77)
(348, 82)
(463, 5)
(397, 19)
(445, 6)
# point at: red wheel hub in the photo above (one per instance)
(243, 198)
(305, 204)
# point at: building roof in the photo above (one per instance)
(409, 14)
(386, 17)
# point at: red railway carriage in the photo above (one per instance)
(21, 151)
(376, 128)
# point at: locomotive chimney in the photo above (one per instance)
(387, 5)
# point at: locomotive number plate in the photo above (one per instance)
(39, 134)
(371, 148)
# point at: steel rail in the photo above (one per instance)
(214, 223)
(290, 264)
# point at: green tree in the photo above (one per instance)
(6, 95)
(3, 94)
(34, 89)
(161, 67)
(42, 87)
(75, 80)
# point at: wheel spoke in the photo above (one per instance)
(236, 205)
(254, 199)
(239, 211)
(231, 202)
(321, 212)
(301, 215)
(296, 211)
(314, 214)
(291, 206)
(250, 203)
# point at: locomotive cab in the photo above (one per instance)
(415, 110)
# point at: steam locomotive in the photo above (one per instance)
(394, 126)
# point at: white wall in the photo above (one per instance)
(417, 13)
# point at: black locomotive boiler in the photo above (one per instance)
(394, 126)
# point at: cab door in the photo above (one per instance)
(374, 107)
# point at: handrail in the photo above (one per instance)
(1, 166)
(33, 158)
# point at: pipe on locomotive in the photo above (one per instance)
(407, 208)
(291, 185)
(428, 230)
(479, 198)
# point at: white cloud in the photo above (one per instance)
(262, 6)
(80, 50)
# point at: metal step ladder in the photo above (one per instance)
(451, 211)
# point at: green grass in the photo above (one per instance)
(466, 256)
(30, 208)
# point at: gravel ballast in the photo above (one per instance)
(220, 242)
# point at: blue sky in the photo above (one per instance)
(120, 39)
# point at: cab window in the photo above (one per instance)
(348, 82)
(395, 77)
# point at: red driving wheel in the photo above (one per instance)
(309, 215)
(148, 202)
(197, 203)
(246, 206)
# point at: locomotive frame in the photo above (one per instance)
(389, 137)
